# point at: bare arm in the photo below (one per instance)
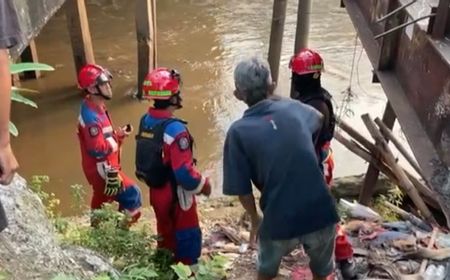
(8, 162)
(248, 202)
(5, 98)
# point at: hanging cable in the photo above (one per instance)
(343, 109)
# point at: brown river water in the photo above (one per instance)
(204, 39)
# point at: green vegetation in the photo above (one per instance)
(132, 251)
(16, 92)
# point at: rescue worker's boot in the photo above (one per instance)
(344, 256)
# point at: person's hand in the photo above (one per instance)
(124, 131)
(255, 223)
(206, 188)
(8, 165)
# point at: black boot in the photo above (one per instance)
(347, 268)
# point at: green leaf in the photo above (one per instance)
(19, 98)
(182, 271)
(16, 89)
(29, 66)
(13, 129)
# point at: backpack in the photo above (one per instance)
(150, 167)
(324, 96)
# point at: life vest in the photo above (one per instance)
(324, 96)
(150, 166)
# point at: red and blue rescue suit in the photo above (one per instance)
(174, 202)
(100, 150)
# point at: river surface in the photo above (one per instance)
(204, 39)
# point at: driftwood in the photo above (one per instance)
(367, 156)
(364, 154)
(358, 137)
(405, 183)
(375, 154)
(231, 234)
(408, 216)
(389, 135)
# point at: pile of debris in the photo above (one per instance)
(414, 246)
(427, 201)
(406, 249)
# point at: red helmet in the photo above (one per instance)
(161, 83)
(91, 75)
(306, 61)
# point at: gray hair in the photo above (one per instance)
(252, 78)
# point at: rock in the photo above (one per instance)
(91, 261)
(29, 248)
(349, 186)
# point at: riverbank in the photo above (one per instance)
(39, 244)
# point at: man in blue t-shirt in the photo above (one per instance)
(272, 146)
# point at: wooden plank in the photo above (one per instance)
(302, 30)
(80, 35)
(388, 51)
(146, 39)
(405, 183)
(30, 55)
(372, 173)
(366, 153)
(303, 23)
(390, 135)
(276, 36)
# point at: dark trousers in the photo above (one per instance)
(3, 219)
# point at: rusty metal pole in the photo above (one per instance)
(276, 36)
(146, 39)
(302, 30)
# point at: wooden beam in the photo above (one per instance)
(303, 23)
(388, 51)
(146, 39)
(302, 30)
(390, 135)
(30, 55)
(80, 36)
(276, 36)
(405, 183)
(366, 153)
(372, 171)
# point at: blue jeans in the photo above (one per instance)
(318, 245)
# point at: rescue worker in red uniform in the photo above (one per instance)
(101, 146)
(164, 161)
(306, 67)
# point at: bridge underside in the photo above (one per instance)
(33, 15)
(412, 63)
